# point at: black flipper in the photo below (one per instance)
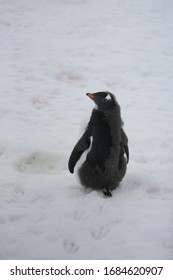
(75, 156)
(81, 146)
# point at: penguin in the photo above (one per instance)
(107, 144)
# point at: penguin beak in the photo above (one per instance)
(90, 95)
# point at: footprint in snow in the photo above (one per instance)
(40, 102)
(70, 246)
(15, 217)
(11, 193)
(2, 150)
(80, 215)
(100, 209)
(99, 233)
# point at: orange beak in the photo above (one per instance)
(90, 95)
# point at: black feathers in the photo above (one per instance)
(105, 164)
(101, 140)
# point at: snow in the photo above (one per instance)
(52, 52)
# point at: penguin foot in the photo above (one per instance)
(107, 193)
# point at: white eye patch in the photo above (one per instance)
(108, 97)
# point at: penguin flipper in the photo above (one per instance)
(74, 157)
(81, 146)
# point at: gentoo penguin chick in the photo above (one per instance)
(105, 164)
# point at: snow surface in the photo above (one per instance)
(51, 53)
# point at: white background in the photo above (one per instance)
(98, 266)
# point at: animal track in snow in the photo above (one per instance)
(80, 215)
(99, 233)
(18, 192)
(68, 73)
(2, 149)
(54, 236)
(15, 217)
(70, 246)
(41, 163)
(100, 209)
(11, 193)
(40, 102)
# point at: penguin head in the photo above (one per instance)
(103, 99)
